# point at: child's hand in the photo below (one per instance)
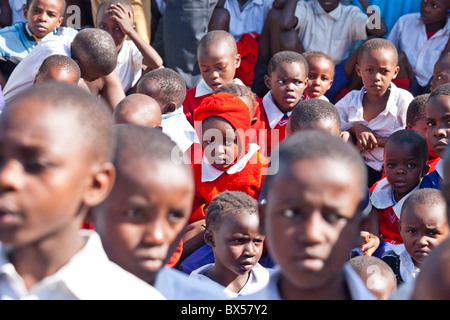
(123, 17)
(370, 243)
(365, 138)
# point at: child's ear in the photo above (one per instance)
(396, 71)
(382, 169)
(357, 69)
(267, 82)
(238, 60)
(209, 238)
(426, 168)
(262, 216)
(100, 184)
(168, 108)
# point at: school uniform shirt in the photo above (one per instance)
(24, 73)
(17, 41)
(338, 29)
(129, 65)
(422, 53)
(401, 263)
(382, 198)
(246, 175)
(257, 280)
(177, 285)
(195, 96)
(176, 126)
(88, 275)
(434, 179)
(391, 119)
(355, 285)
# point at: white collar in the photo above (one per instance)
(381, 197)
(391, 104)
(407, 268)
(273, 113)
(440, 168)
(209, 173)
(335, 14)
(203, 89)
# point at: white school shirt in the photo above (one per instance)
(356, 286)
(250, 19)
(273, 113)
(332, 33)
(408, 270)
(202, 89)
(409, 35)
(24, 73)
(129, 64)
(391, 119)
(88, 275)
(179, 129)
(258, 279)
(177, 285)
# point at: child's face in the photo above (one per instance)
(142, 220)
(433, 11)
(441, 75)
(320, 76)
(422, 228)
(377, 69)
(218, 65)
(220, 143)
(106, 22)
(43, 16)
(238, 245)
(329, 5)
(438, 121)
(402, 167)
(287, 83)
(311, 222)
(44, 173)
(421, 126)
(56, 75)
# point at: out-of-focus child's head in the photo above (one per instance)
(423, 223)
(232, 230)
(143, 219)
(287, 78)
(321, 73)
(58, 68)
(376, 274)
(138, 109)
(224, 120)
(312, 216)
(218, 58)
(314, 114)
(405, 161)
(438, 113)
(377, 65)
(55, 146)
(441, 72)
(43, 16)
(106, 19)
(165, 86)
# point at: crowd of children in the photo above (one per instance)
(308, 161)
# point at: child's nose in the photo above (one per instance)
(10, 177)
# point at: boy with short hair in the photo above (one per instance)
(431, 29)
(287, 78)
(320, 75)
(312, 219)
(138, 109)
(373, 113)
(218, 60)
(437, 110)
(232, 231)
(16, 42)
(423, 226)
(55, 143)
(58, 68)
(441, 72)
(117, 18)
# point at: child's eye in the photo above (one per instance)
(411, 165)
(431, 123)
(291, 213)
(334, 217)
(412, 231)
(175, 215)
(281, 81)
(133, 213)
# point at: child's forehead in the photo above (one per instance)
(292, 68)
(37, 3)
(438, 103)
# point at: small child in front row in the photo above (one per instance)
(232, 230)
(55, 143)
(142, 220)
(218, 60)
(405, 164)
(168, 88)
(438, 131)
(423, 226)
(286, 79)
(312, 219)
(320, 75)
(58, 68)
(373, 113)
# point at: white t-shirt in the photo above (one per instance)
(129, 64)
(88, 275)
